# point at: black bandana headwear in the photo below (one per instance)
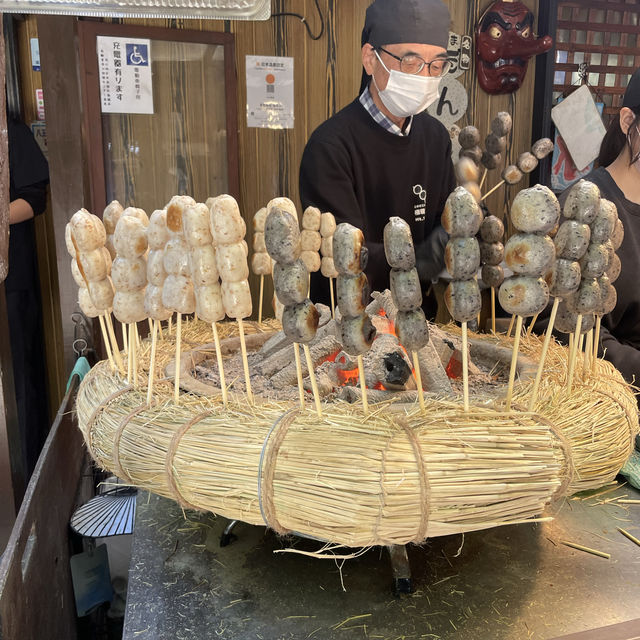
(397, 21)
(632, 94)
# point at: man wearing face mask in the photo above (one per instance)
(383, 155)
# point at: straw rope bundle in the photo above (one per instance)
(393, 476)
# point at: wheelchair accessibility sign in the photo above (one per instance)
(137, 55)
(126, 84)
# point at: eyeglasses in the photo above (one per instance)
(413, 64)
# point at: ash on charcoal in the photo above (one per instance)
(388, 367)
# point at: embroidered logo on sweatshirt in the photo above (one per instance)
(420, 209)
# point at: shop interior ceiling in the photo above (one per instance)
(211, 9)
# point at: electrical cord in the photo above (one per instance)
(304, 20)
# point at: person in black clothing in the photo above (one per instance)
(28, 179)
(383, 155)
(618, 178)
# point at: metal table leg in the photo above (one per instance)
(227, 537)
(401, 569)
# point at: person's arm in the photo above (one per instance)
(19, 211)
(622, 356)
(29, 201)
(430, 252)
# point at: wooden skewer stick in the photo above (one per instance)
(626, 534)
(514, 360)
(170, 324)
(150, 321)
(136, 345)
(465, 367)
(114, 343)
(416, 366)
(596, 342)
(573, 353)
(588, 354)
(312, 377)
(484, 177)
(125, 338)
(107, 343)
(579, 547)
(493, 310)
(363, 385)
(260, 300)
(176, 377)
(223, 384)
(129, 359)
(296, 353)
(486, 195)
(137, 335)
(629, 501)
(152, 361)
(333, 304)
(245, 362)
(533, 321)
(543, 355)
(513, 317)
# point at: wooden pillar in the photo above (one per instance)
(63, 109)
(11, 467)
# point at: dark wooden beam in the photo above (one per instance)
(36, 592)
(11, 467)
(63, 108)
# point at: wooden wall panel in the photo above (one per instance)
(30, 81)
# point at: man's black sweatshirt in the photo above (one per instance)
(364, 174)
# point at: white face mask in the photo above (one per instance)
(407, 95)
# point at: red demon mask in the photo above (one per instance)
(504, 43)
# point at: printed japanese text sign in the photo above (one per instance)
(270, 92)
(124, 65)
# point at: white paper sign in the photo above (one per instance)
(125, 75)
(270, 92)
(578, 120)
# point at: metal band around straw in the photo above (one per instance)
(115, 453)
(101, 407)
(171, 454)
(268, 467)
(425, 493)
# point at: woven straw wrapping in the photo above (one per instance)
(393, 476)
